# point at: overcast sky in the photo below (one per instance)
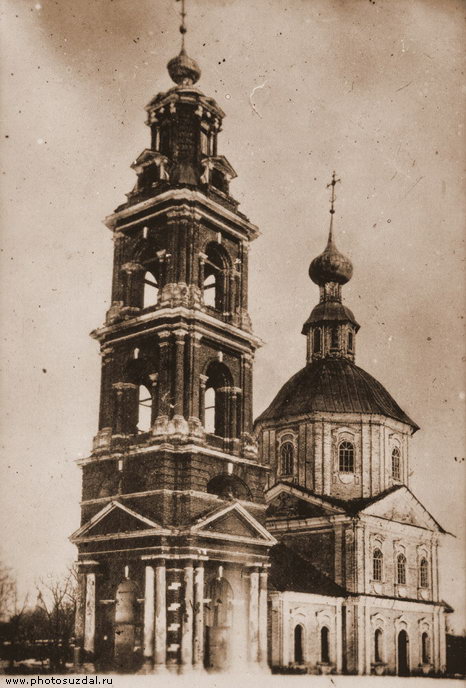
(371, 88)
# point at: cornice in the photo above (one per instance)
(182, 195)
(165, 446)
(194, 318)
(333, 417)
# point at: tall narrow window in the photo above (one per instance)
(286, 458)
(144, 409)
(216, 407)
(377, 561)
(346, 457)
(209, 410)
(215, 284)
(425, 648)
(350, 341)
(378, 653)
(164, 141)
(151, 290)
(423, 573)
(317, 340)
(324, 645)
(205, 142)
(298, 644)
(401, 569)
(210, 284)
(396, 464)
(334, 338)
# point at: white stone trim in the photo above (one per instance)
(107, 510)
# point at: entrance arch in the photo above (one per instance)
(219, 621)
(403, 653)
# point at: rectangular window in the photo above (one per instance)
(205, 143)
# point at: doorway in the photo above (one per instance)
(219, 620)
(403, 654)
(298, 644)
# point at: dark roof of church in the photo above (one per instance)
(290, 571)
(355, 505)
(333, 385)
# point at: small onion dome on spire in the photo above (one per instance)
(331, 266)
(183, 70)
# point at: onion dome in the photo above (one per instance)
(183, 70)
(331, 266)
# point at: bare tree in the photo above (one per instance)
(56, 598)
(8, 595)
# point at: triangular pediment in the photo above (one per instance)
(289, 501)
(233, 521)
(402, 506)
(146, 157)
(221, 163)
(116, 519)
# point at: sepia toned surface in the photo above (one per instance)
(368, 89)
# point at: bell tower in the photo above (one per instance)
(172, 547)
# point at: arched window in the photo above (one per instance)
(298, 644)
(378, 651)
(346, 457)
(215, 277)
(334, 338)
(377, 562)
(286, 458)
(144, 409)
(423, 573)
(396, 464)
(217, 403)
(317, 340)
(151, 290)
(324, 645)
(425, 648)
(401, 569)
(350, 340)
(229, 487)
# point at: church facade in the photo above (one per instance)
(210, 543)
(354, 578)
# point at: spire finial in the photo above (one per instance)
(332, 204)
(182, 69)
(183, 28)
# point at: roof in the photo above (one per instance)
(351, 507)
(334, 385)
(291, 571)
(329, 311)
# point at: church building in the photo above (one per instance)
(206, 542)
(354, 579)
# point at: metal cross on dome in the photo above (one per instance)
(183, 28)
(333, 197)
